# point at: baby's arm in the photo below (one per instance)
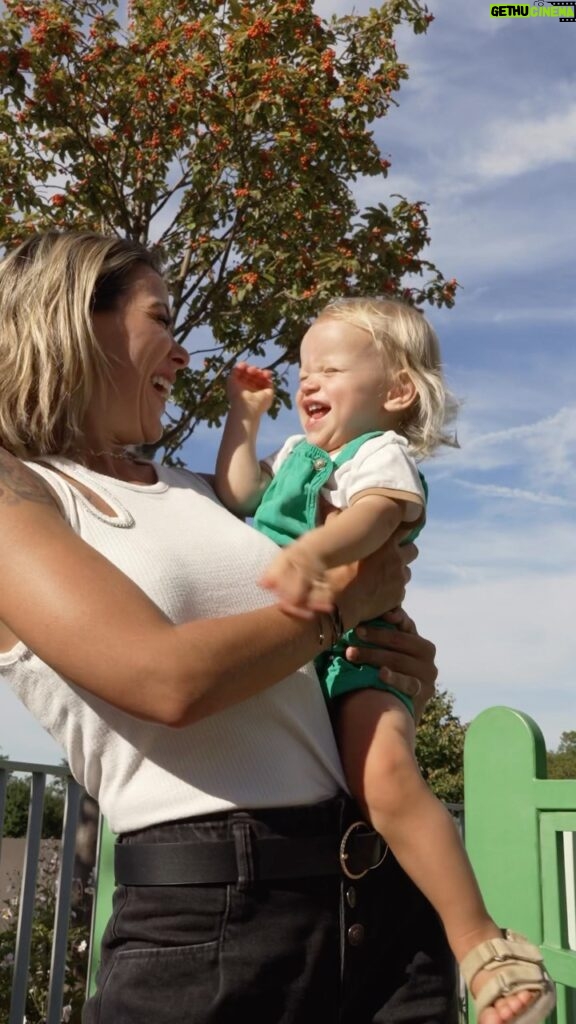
(240, 480)
(298, 573)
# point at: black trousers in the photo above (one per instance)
(304, 951)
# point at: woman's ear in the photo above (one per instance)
(401, 393)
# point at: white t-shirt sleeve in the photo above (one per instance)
(383, 465)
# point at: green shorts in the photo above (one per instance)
(339, 676)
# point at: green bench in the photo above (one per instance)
(520, 831)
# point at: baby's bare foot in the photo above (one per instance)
(504, 1009)
(508, 959)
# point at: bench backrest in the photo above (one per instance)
(520, 831)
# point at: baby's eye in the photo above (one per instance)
(330, 369)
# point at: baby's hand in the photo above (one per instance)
(252, 387)
(299, 581)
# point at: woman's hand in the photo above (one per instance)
(375, 585)
(405, 659)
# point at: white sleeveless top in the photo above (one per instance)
(194, 560)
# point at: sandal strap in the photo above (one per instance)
(516, 963)
(494, 953)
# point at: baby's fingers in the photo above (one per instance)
(319, 597)
(288, 592)
(293, 590)
(269, 581)
(253, 377)
(296, 610)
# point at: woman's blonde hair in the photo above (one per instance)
(407, 342)
(50, 360)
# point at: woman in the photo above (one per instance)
(134, 631)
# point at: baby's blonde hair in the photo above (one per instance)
(407, 342)
(50, 360)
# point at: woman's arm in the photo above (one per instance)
(95, 627)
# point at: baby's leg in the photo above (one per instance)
(376, 739)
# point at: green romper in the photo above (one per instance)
(288, 509)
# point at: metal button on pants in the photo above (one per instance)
(356, 934)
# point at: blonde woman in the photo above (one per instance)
(372, 400)
(187, 702)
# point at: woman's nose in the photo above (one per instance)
(180, 355)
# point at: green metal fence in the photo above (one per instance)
(521, 837)
(38, 774)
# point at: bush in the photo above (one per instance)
(41, 949)
(18, 808)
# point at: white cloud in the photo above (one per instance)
(513, 146)
(563, 420)
(505, 642)
(489, 548)
(530, 314)
(523, 463)
(515, 494)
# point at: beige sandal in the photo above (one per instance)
(519, 967)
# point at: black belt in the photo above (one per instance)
(275, 857)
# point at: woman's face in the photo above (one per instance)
(136, 338)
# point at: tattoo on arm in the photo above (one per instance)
(18, 483)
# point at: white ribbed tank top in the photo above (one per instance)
(194, 560)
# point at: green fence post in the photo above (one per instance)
(102, 909)
(504, 753)
(505, 791)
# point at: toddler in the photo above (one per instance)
(371, 400)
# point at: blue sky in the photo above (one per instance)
(485, 132)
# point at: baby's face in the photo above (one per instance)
(343, 384)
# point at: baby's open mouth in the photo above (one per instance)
(315, 410)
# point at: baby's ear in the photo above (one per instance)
(401, 392)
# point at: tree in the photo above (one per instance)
(440, 748)
(18, 808)
(562, 761)
(229, 134)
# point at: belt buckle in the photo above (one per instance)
(344, 855)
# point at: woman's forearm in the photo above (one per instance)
(236, 658)
(95, 627)
(105, 635)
